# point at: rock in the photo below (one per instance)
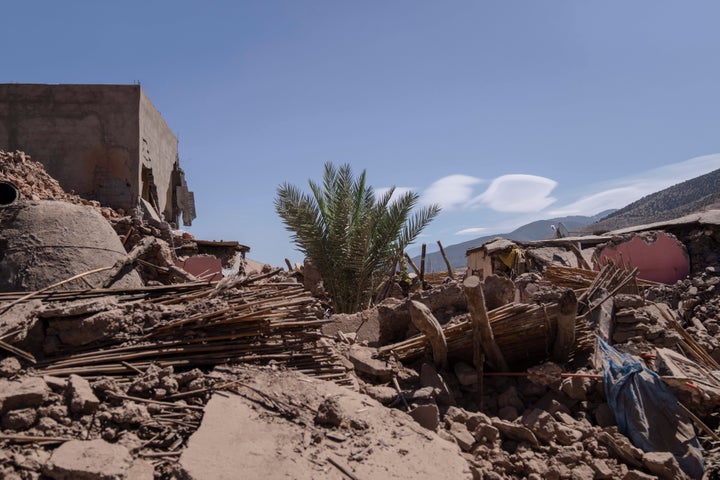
(426, 415)
(465, 374)
(498, 291)
(9, 367)
(486, 433)
(638, 475)
(575, 387)
(511, 398)
(464, 439)
(382, 394)
(516, 432)
(130, 413)
(329, 413)
(546, 374)
(508, 413)
(56, 384)
(89, 460)
(541, 423)
(601, 469)
(429, 377)
(364, 363)
(19, 420)
(421, 395)
(477, 418)
(567, 436)
(621, 448)
(582, 472)
(27, 392)
(662, 464)
(456, 414)
(604, 415)
(81, 398)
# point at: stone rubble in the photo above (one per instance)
(541, 421)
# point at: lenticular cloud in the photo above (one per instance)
(518, 193)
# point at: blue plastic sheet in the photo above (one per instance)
(647, 412)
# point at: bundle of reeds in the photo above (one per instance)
(523, 333)
(255, 323)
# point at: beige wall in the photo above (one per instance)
(95, 140)
(159, 153)
(85, 135)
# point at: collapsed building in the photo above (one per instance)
(562, 359)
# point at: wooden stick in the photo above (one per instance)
(50, 287)
(400, 393)
(159, 454)
(412, 264)
(425, 321)
(422, 263)
(447, 262)
(342, 469)
(483, 337)
(33, 438)
(565, 337)
(699, 422)
(17, 351)
(155, 402)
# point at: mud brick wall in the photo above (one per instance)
(94, 139)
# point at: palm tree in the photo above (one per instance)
(353, 237)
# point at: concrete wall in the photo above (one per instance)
(85, 135)
(159, 154)
(102, 142)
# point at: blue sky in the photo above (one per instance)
(504, 112)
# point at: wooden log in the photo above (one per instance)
(425, 321)
(565, 339)
(447, 262)
(483, 338)
(412, 265)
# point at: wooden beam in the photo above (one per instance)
(483, 338)
(565, 339)
(447, 262)
(425, 321)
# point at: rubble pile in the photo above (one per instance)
(548, 371)
(121, 370)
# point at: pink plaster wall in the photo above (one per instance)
(205, 267)
(665, 260)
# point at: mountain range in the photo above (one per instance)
(697, 194)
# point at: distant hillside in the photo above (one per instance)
(538, 230)
(694, 195)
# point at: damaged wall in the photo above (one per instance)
(104, 142)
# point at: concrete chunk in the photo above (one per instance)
(89, 460)
(364, 363)
(27, 392)
(81, 398)
(426, 415)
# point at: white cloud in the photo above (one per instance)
(472, 231)
(379, 192)
(597, 202)
(623, 191)
(450, 191)
(517, 193)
